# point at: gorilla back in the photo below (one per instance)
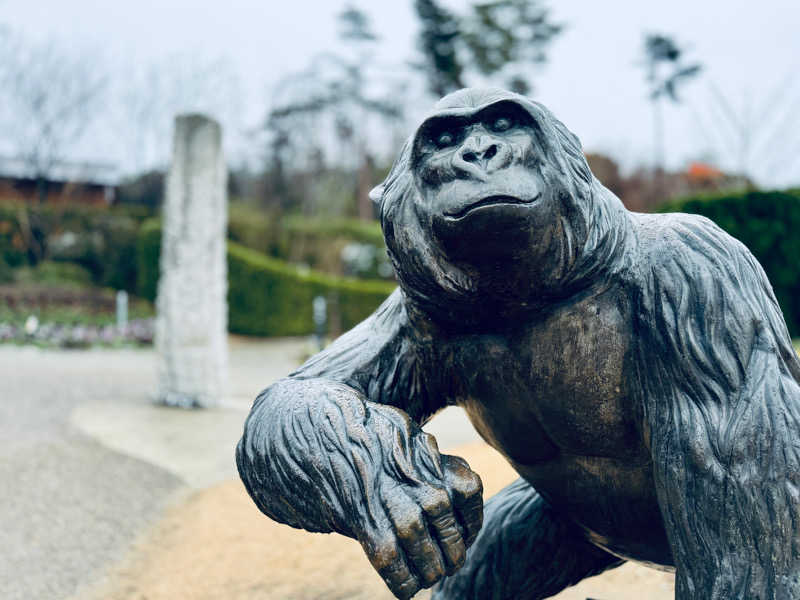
(634, 369)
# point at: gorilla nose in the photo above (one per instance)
(480, 155)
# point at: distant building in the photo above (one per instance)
(92, 184)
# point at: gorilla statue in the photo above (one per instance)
(634, 369)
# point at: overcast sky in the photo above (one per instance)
(593, 82)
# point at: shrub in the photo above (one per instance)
(270, 297)
(100, 239)
(257, 229)
(54, 274)
(6, 273)
(366, 232)
(768, 224)
(338, 246)
(148, 251)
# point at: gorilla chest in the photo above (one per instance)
(556, 399)
(555, 387)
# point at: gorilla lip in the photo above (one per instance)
(494, 199)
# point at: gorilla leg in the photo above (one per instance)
(524, 551)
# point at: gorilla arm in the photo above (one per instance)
(335, 447)
(723, 408)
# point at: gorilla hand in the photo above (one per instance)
(317, 455)
(425, 525)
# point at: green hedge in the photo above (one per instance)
(267, 296)
(270, 297)
(366, 232)
(256, 229)
(768, 223)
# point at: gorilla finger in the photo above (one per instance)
(467, 492)
(435, 503)
(391, 565)
(411, 528)
(470, 518)
(400, 580)
(451, 541)
(428, 456)
(460, 477)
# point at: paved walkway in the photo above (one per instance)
(87, 462)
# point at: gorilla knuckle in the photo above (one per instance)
(384, 557)
(456, 463)
(405, 588)
(456, 552)
(409, 524)
(435, 502)
(470, 485)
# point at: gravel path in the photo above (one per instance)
(70, 506)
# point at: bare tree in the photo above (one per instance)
(757, 131)
(149, 96)
(341, 95)
(50, 95)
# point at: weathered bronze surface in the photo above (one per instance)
(635, 370)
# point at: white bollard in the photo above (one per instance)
(122, 310)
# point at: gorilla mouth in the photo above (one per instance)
(496, 199)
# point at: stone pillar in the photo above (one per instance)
(192, 311)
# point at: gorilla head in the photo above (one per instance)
(491, 209)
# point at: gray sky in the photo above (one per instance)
(751, 51)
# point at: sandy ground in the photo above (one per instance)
(216, 545)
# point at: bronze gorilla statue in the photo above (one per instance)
(634, 369)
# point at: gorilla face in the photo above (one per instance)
(480, 182)
(491, 209)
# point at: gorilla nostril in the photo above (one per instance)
(490, 152)
(470, 157)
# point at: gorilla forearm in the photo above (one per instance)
(316, 454)
(311, 448)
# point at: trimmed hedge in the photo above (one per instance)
(768, 223)
(270, 297)
(267, 296)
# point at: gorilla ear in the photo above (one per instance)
(376, 195)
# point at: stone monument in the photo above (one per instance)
(191, 322)
(634, 369)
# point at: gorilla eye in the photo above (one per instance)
(445, 139)
(501, 124)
